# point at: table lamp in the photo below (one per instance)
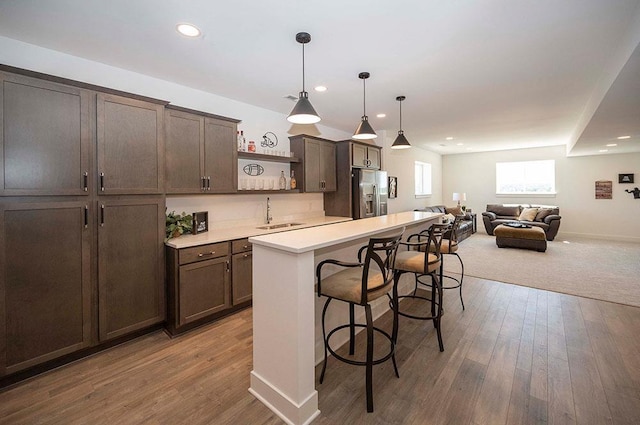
(459, 197)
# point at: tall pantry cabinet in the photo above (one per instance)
(81, 217)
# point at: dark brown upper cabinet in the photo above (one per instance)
(318, 169)
(130, 142)
(201, 152)
(364, 156)
(44, 137)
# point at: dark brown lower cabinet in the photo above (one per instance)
(131, 293)
(206, 282)
(45, 287)
(242, 271)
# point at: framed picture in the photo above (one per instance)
(604, 189)
(393, 187)
(625, 178)
(200, 222)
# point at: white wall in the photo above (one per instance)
(582, 214)
(400, 163)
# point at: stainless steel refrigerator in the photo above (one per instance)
(370, 193)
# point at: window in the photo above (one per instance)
(423, 178)
(526, 177)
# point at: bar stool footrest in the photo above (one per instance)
(357, 362)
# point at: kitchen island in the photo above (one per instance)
(284, 354)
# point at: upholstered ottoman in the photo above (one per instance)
(518, 237)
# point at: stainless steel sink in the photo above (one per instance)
(279, 226)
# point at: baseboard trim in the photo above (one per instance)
(619, 238)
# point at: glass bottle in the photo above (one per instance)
(239, 142)
(293, 183)
(283, 181)
(244, 141)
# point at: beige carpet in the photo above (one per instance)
(604, 270)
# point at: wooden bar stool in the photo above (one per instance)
(360, 284)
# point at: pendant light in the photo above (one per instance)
(303, 112)
(364, 130)
(401, 142)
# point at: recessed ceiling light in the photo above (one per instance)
(624, 137)
(320, 88)
(603, 150)
(381, 115)
(459, 144)
(449, 138)
(188, 30)
(612, 144)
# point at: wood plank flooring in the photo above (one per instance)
(516, 355)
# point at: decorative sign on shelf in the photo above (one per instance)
(604, 189)
(200, 222)
(253, 169)
(268, 142)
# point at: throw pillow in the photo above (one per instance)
(448, 218)
(454, 210)
(543, 213)
(528, 214)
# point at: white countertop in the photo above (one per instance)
(309, 239)
(230, 233)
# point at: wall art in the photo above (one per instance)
(604, 189)
(393, 187)
(625, 178)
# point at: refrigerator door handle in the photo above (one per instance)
(376, 201)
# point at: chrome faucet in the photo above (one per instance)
(269, 218)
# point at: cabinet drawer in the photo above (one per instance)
(240, 245)
(203, 252)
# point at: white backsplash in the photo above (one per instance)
(246, 210)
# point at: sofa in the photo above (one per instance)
(546, 217)
(466, 225)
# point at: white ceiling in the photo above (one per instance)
(491, 74)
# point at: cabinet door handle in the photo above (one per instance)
(246, 255)
(246, 247)
(200, 254)
(86, 216)
(204, 183)
(85, 181)
(208, 182)
(228, 268)
(102, 215)
(102, 182)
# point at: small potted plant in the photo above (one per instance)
(178, 224)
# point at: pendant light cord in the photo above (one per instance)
(364, 97)
(303, 67)
(400, 115)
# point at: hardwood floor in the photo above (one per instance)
(517, 355)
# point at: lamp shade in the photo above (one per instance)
(303, 112)
(401, 142)
(364, 130)
(459, 196)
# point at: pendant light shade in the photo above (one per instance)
(303, 112)
(401, 141)
(364, 130)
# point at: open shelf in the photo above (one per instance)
(258, 192)
(263, 157)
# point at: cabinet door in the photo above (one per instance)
(312, 160)
(130, 146)
(373, 155)
(328, 166)
(130, 265)
(242, 277)
(220, 155)
(184, 152)
(204, 289)
(45, 285)
(358, 156)
(44, 137)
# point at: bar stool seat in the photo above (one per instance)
(359, 284)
